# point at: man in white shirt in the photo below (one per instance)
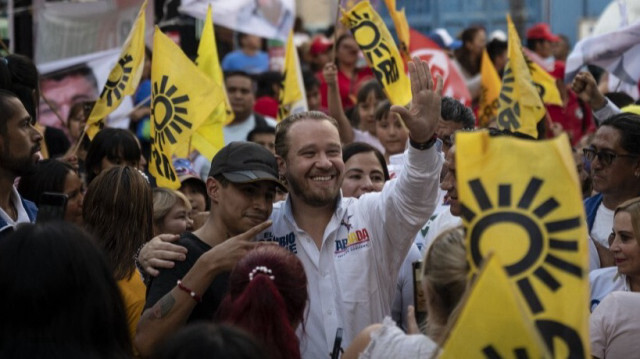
(19, 147)
(352, 249)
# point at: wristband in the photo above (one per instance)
(423, 145)
(191, 293)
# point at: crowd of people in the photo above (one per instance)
(297, 234)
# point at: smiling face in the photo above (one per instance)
(363, 174)
(313, 165)
(19, 139)
(624, 245)
(241, 206)
(392, 134)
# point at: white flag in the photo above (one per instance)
(617, 52)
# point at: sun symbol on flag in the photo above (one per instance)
(117, 81)
(490, 352)
(167, 112)
(546, 241)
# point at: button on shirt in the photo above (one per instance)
(351, 279)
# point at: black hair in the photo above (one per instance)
(258, 130)
(453, 110)
(628, 124)
(310, 80)
(265, 82)
(49, 176)
(495, 48)
(7, 109)
(254, 83)
(208, 340)
(59, 298)
(114, 144)
(371, 86)
(382, 110)
(19, 75)
(531, 43)
(198, 185)
(619, 99)
(355, 148)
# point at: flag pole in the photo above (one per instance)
(335, 33)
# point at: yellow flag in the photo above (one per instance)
(181, 99)
(520, 105)
(124, 77)
(402, 27)
(489, 91)
(493, 323)
(209, 137)
(521, 199)
(292, 98)
(380, 50)
(545, 83)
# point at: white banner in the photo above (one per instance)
(67, 29)
(617, 52)
(271, 19)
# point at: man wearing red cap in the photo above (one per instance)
(539, 39)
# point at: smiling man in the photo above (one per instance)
(19, 147)
(352, 249)
(241, 187)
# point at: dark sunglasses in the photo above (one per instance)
(605, 158)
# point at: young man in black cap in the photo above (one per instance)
(241, 187)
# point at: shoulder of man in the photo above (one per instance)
(30, 208)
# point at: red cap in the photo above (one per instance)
(320, 45)
(541, 31)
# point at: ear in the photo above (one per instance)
(213, 190)
(282, 165)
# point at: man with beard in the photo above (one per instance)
(352, 249)
(19, 147)
(241, 187)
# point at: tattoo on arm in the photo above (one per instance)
(163, 307)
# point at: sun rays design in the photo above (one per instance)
(168, 110)
(543, 232)
(117, 81)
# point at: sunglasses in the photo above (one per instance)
(605, 158)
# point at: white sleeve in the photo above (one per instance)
(607, 111)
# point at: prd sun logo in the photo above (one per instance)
(117, 81)
(167, 112)
(537, 225)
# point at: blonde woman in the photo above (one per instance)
(444, 281)
(170, 212)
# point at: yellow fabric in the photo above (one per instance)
(489, 91)
(380, 50)
(493, 321)
(520, 105)
(124, 77)
(631, 109)
(545, 84)
(402, 27)
(209, 137)
(133, 293)
(293, 98)
(521, 199)
(182, 97)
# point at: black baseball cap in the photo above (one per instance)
(245, 162)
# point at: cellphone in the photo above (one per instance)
(419, 300)
(337, 349)
(52, 207)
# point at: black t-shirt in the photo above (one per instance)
(168, 278)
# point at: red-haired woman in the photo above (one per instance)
(267, 296)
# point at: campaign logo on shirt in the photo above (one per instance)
(355, 240)
(287, 241)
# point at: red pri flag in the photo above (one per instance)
(440, 64)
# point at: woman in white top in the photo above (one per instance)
(624, 244)
(444, 281)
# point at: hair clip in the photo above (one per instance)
(262, 269)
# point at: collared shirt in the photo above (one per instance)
(352, 278)
(604, 281)
(607, 111)
(6, 221)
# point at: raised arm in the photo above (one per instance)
(330, 73)
(171, 312)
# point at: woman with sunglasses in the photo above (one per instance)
(614, 156)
